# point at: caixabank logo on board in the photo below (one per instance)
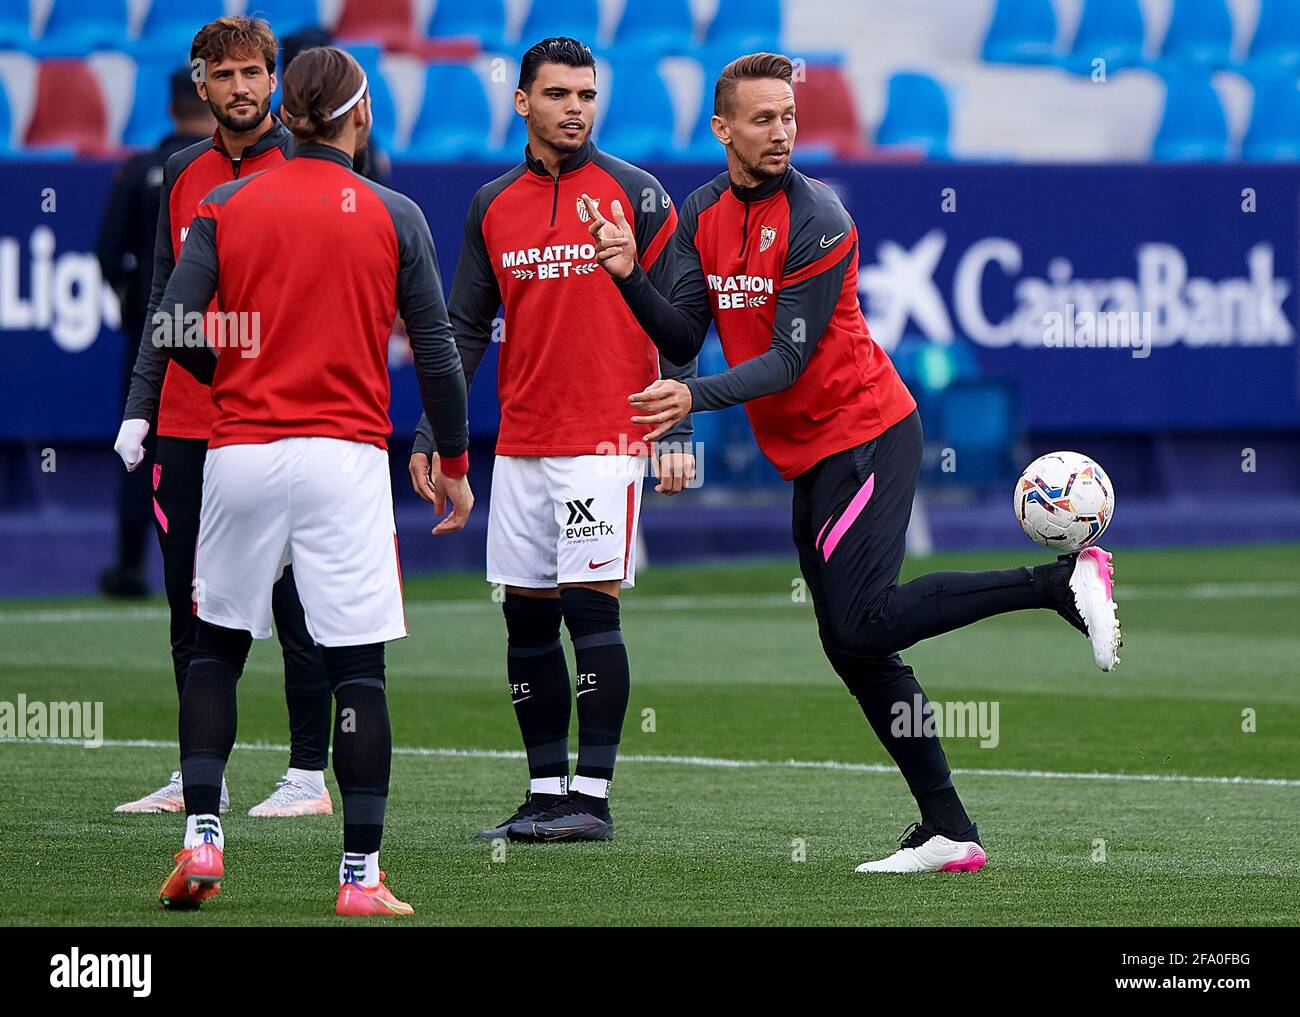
(902, 294)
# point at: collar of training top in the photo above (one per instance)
(315, 150)
(272, 137)
(572, 161)
(763, 191)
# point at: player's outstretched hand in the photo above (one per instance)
(421, 468)
(676, 472)
(662, 404)
(130, 442)
(457, 491)
(615, 242)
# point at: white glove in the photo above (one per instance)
(130, 442)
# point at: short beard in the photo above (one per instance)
(761, 172)
(238, 125)
(361, 159)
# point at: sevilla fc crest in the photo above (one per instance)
(583, 214)
(767, 237)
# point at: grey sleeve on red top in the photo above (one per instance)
(475, 300)
(151, 362)
(190, 289)
(433, 348)
(802, 313)
(671, 302)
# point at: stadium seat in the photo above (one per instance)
(637, 122)
(1274, 132)
(484, 20)
(745, 26)
(579, 19)
(916, 115)
(69, 110)
(655, 27)
(1022, 32)
(512, 149)
(828, 114)
(1200, 35)
(978, 421)
(454, 120)
(1276, 43)
(149, 122)
(286, 16)
(387, 23)
(1110, 30)
(169, 28)
(15, 25)
(1193, 127)
(383, 108)
(75, 28)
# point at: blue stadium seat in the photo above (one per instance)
(169, 27)
(1274, 132)
(383, 108)
(746, 26)
(916, 115)
(75, 28)
(1111, 30)
(1200, 34)
(1193, 127)
(15, 25)
(579, 19)
(978, 420)
(703, 146)
(1276, 43)
(655, 27)
(454, 119)
(637, 122)
(285, 16)
(149, 122)
(483, 19)
(1022, 32)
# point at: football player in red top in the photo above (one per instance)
(566, 481)
(234, 66)
(771, 257)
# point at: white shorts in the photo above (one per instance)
(564, 519)
(322, 505)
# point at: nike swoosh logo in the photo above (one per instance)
(584, 692)
(831, 241)
(516, 702)
(593, 565)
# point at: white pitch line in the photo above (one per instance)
(674, 602)
(713, 762)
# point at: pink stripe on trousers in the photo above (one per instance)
(851, 513)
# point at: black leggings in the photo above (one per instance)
(178, 494)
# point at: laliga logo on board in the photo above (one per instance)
(1182, 309)
(66, 294)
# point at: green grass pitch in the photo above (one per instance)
(728, 661)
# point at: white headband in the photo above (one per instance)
(356, 98)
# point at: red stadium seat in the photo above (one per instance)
(69, 109)
(391, 23)
(828, 115)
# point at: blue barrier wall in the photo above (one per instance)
(967, 258)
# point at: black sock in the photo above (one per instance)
(363, 743)
(208, 716)
(883, 684)
(539, 683)
(603, 681)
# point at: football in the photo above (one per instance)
(1064, 501)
